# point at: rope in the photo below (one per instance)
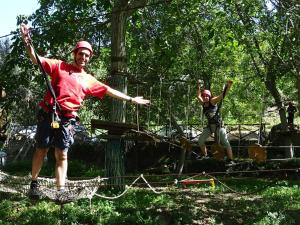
(137, 110)
(149, 108)
(244, 193)
(156, 192)
(234, 190)
(242, 171)
(159, 101)
(188, 110)
(88, 188)
(75, 189)
(127, 188)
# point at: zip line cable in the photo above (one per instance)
(149, 109)
(159, 101)
(137, 111)
(190, 176)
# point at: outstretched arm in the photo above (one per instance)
(119, 95)
(218, 98)
(199, 97)
(26, 39)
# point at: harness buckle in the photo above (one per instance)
(55, 124)
(55, 118)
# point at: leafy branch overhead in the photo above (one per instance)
(170, 45)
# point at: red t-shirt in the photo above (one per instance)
(71, 86)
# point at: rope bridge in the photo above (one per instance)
(79, 189)
(75, 189)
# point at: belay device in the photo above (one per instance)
(54, 117)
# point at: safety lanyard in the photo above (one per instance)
(56, 106)
(220, 105)
(217, 136)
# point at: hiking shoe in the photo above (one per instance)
(203, 157)
(63, 197)
(34, 193)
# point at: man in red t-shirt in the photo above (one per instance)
(71, 84)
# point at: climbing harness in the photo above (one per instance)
(216, 149)
(216, 119)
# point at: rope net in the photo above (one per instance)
(74, 189)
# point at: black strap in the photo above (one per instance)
(46, 78)
(219, 125)
(219, 122)
(224, 93)
(48, 83)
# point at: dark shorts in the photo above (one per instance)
(46, 136)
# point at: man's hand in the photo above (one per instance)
(200, 84)
(140, 100)
(25, 34)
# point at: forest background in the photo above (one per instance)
(168, 47)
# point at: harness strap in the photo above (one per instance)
(65, 113)
(46, 78)
(217, 136)
(220, 105)
(55, 117)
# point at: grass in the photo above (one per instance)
(249, 201)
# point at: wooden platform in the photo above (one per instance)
(124, 131)
(193, 181)
(113, 127)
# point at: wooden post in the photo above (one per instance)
(183, 150)
(240, 137)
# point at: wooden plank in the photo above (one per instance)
(135, 137)
(192, 181)
(113, 127)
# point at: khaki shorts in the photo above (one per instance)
(220, 132)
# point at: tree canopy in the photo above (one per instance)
(170, 45)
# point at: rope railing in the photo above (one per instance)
(15, 181)
(80, 189)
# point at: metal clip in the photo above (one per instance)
(55, 118)
(55, 124)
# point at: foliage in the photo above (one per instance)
(170, 45)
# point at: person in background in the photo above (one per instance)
(214, 120)
(71, 84)
(291, 110)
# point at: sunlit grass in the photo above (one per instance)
(233, 200)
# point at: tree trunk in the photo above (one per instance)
(298, 86)
(114, 156)
(271, 86)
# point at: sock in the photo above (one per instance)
(33, 184)
(60, 188)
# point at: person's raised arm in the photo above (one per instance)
(218, 98)
(119, 95)
(27, 42)
(199, 96)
